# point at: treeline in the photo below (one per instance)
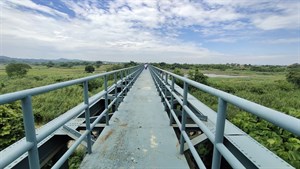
(70, 64)
(223, 67)
(96, 64)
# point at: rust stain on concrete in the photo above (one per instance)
(124, 125)
(105, 137)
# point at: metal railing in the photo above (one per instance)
(127, 76)
(162, 79)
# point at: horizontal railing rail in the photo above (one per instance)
(162, 78)
(127, 76)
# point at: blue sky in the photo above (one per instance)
(207, 31)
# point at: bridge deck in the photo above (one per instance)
(139, 135)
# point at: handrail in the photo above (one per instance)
(30, 144)
(161, 79)
(278, 118)
(10, 97)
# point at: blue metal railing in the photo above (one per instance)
(161, 78)
(30, 145)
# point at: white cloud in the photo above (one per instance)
(95, 30)
(226, 40)
(133, 28)
(32, 5)
(283, 41)
(288, 21)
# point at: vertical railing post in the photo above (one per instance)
(116, 92)
(219, 136)
(33, 154)
(87, 116)
(160, 83)
(126, 80)
(129, 79)
(183, 118)
(157, 80)
(166, 83)
(122, 81)
(166, 91)
(172, 101)
(106, 100)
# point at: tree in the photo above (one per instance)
(98, 64)
(89, 69)
(293, 75)
(131, 63)
(162, 65)
(17, 69)
(114, 67)
(198, 76)
(50, 64)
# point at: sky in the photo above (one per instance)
(175, 31)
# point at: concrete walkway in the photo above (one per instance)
(139, 135)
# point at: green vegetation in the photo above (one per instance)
(266, 85)
(197, 76)
(17, 69)
(270, 91)
(11, 124)
(89, 69)
(276, 87)
(76, 158)
(293, 74)
(45, 106)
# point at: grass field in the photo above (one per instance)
(49, 105)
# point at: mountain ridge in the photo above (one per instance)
(6, 59)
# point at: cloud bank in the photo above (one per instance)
(152, 31)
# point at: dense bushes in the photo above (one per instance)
(17, 69)
(115, 67)
(52, 104)
(197, 76)
(283, 143)
(277, 94)
(89, 69)
(11, 124)
(293, 74)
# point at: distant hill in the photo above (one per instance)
(5, 59)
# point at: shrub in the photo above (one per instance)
(17, 69)
(115, 67)
(293, 75)
(95, 84)
(89, 69)
(11, 124)
(198, 76)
